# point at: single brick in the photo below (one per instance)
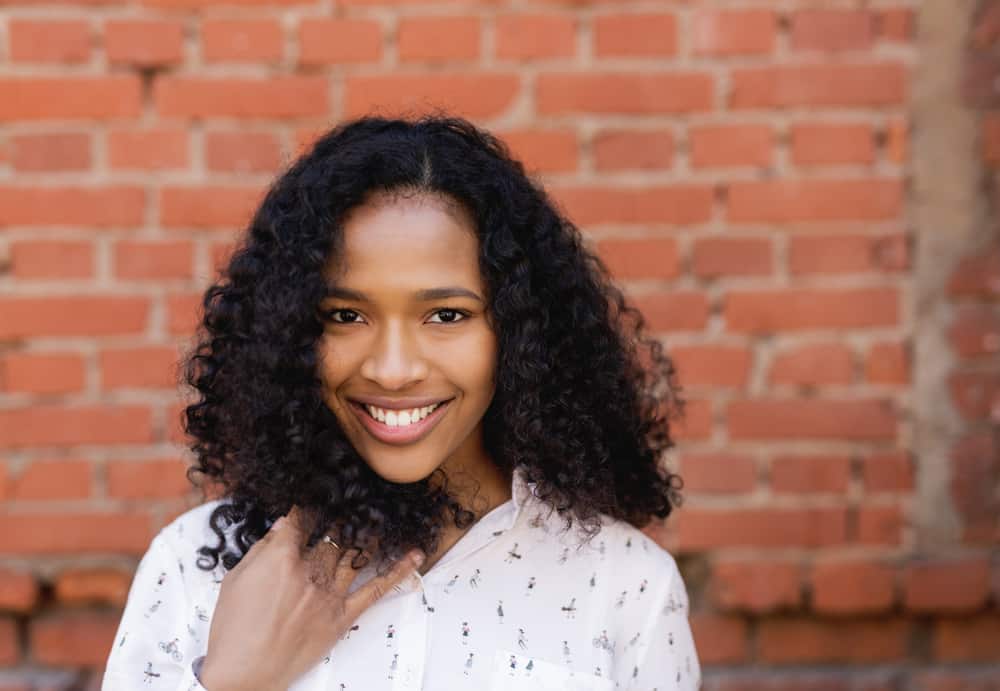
(832, 30)
(861, 419)
(756, 585)
(718, 473)
(955, 585)
(438, 39)
(633, 150)
(624, 93)
(144, 42)
(42, 373)
(789, 201)
(707, 528)
(734, 32)
(154, 149)
(852, 587)
(70, 98)
(242, 40)
(872, 84)
(149, 367)
(273, 97)
(815, 144)
(715, 257)
(242, 152)
(643, 34)
(140, 260)
(812, 365)
(326, 41)
(713, 366)
(59, 41)
(887, 472)
(810, 309)
(808, 474)
(469, 95)
(62, 259)
(880, 525)
(543, 149)
(640, 257)
(731, 145)
(53, 152)
(535, 36)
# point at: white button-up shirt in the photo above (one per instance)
(516, 604)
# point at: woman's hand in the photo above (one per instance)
(279, 612)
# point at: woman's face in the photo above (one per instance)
(406, 328)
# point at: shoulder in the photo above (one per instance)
(186, 533)
(193, 525)
(625, 554)
(636, 551)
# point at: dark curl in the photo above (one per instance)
(582, 400)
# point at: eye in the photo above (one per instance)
(453, 313)
(331, 314)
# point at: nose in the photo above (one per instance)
(395, 360)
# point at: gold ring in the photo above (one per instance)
(329, 540)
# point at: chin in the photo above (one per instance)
(401, 475)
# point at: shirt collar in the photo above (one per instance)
(521, 491)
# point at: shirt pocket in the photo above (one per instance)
(512, 671)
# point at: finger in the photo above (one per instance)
(372, 591)
(280, 525)
(290, 529)
(292, 521)
(322, 560)
(344, 574)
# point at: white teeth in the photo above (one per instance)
(400, 418)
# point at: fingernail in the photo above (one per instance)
(418, 558)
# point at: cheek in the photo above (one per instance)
(332, 370)
(477, 367)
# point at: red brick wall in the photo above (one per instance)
(746, 169)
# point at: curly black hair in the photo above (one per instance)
(583, 398)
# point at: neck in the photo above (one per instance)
(479, 488)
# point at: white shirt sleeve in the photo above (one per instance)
(153, 648)
(668, 658)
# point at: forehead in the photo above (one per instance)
(396, 240)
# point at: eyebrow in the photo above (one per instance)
(333, 291)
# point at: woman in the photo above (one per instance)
(413, 350)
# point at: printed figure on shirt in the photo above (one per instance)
(172, 650)
(570, 609)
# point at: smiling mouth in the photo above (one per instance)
(399, 426)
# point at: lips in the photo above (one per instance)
(399, 435)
